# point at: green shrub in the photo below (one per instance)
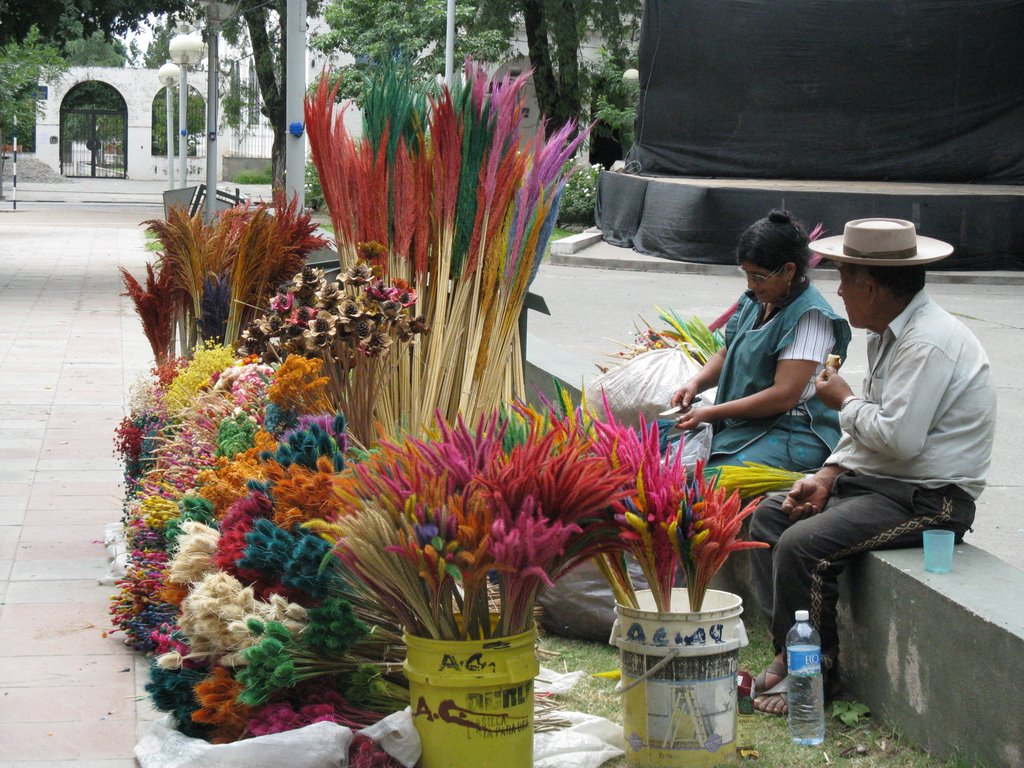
(579, 197)
(263, 176)
(314, 193)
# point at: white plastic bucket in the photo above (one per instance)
(679, 679)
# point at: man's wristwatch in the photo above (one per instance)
(847, 400)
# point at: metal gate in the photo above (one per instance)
(94, 143)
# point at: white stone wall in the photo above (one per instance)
(138, 88)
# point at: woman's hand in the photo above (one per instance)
(685, 395)
(694, 418)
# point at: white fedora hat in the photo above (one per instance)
(882, 242)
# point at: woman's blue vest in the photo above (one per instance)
(750, 364)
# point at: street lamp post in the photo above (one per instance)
(216, 14)
(168, 75)
(186, 49)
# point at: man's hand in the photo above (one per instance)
(806, 498)
(832, 389)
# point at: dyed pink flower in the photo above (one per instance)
(282, 302)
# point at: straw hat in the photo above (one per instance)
(882, 242)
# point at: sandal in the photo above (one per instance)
(775, 669)
(775, 700)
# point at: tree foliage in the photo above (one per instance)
(60, 21)
(96, 51)
(262, 23)
(413, 32)
(556, 31)
(23, 67)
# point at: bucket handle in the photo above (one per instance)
(673, 652)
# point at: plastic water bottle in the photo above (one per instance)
(806, 689)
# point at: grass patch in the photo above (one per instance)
(248, 176)
(152, 244)
(869, 744)
(556, 234)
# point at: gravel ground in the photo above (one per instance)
(31, 170)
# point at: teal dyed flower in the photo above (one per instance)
(303, 569)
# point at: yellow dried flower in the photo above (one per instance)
(206, 360)
(157, 511)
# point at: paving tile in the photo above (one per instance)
(59, 591)
(58, 569)
(67, 510)
(14, 475)
(13, 503)
(47, 743)
(55, 704)
(67, 671)
(110, 475)
(104, 487)
(26, 397)
(15, 430)
(9, 536)
(18, 463)
(36, 629)
(12, 516)
(128, 762)
(108, 462)
(15, 490)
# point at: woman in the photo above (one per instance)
(775, 346)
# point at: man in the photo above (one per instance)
(915, 449)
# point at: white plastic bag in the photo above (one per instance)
(644, 384)
(589, 742)
(320, 745)
(397, 736)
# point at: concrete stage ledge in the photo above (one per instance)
(939, 655)
(597, 254)
(573, 243)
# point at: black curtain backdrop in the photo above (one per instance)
(853, 90)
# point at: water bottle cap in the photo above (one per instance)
(802, 615)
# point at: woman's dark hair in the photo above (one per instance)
(772, 241)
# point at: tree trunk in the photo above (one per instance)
(544, 84)
(557, 91)
(270, 77)
(566, 37)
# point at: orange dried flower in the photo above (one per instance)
(173, 593)
(217, 696)
(226, 483)
(299, 387)
(300, 494)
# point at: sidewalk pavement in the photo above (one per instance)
(108, 192)
(70, 348)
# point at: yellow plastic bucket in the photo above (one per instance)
(679, 679)
(472, 700)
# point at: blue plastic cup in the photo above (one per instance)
(938, 551)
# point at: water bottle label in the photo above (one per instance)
(804, 661)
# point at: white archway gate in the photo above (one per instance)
(138, 88)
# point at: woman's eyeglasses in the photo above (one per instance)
(756, 279)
